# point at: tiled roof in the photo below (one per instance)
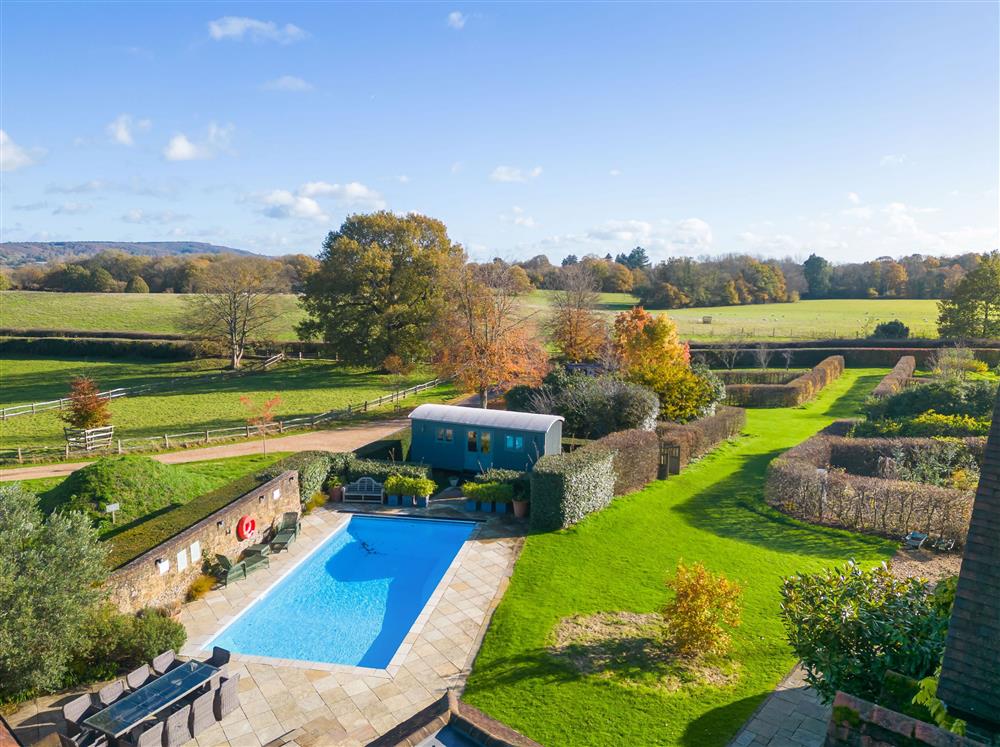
(970, 676)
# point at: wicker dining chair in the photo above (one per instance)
(138, 677)
(227, 697)
(76, 711)
(178, 729)
(150, 736)
(202, 713)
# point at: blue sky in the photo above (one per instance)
(851, 129)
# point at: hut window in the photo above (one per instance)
(514, 443)
(444, 434)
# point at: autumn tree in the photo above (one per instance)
(236, 305)
(380, 287)
(260, 416)
(483, 340)
(86, 408)
(575, 328)
(973, 310)
(651, 353)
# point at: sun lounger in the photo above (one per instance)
(286, 532)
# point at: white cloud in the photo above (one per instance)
(31, 206)
(280, 203)
(72, 208)
(859, 212)
(94, 185)
(182, 148)
(518, 218)
(615, 172)
(240, 27)
(456, 20)
(403, 179)
(12, 155)
(514, 174)
(137, 215)
(690, 236)
(893, 159)
(852, 197)
(287, 83)
(121, 129)
(352, 192)
(694, 233)
(457, 166)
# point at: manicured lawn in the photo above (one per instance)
(160, 312)
(305, 387)
(617, 561)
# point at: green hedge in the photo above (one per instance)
(82, 346)
(700, 436)
(313, 468)
(520, 481)
(897, 378)
(567, 487)
(797, 391)
(497, 492)
(414, 486)
(636, 461)
(381, 470)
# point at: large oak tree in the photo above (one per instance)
(974, 308)
(380, 287)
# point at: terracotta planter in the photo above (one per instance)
(337, 493)
(520, 509)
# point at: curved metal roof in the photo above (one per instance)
(509, 419)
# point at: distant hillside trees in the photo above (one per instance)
(973, 309)
(380, 287)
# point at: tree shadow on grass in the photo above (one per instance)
(734, 508)
(720, 724)
(849, 404)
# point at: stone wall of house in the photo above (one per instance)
(161, 576)
(857, 723)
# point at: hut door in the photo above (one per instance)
(478, 451)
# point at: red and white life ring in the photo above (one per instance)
(246, 527)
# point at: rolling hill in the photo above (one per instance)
(16, 253)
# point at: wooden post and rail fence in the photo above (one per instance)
(169, 440)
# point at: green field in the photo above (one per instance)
(190, 403)
(617, 560)
(118, 312)
(161, 312)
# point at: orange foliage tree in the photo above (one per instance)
(704, 605)
(575, 328)
(483, 341)
(261, 416)
(651, 353)
(86, 408)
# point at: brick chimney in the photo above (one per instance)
(970, 675)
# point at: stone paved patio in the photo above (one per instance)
(298, 703)
(792, 716)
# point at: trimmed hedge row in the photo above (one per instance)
(864, 456)
(797, 391)
(701, 436)
(636, 458)
(859, 357)
(380, 470)
(755, 376)
(896, 379)
(567, 487)
(805, 483)
(520, 481)
(95, 333)
(173, 350)
(313, 468)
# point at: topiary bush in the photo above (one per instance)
(567, 487)
(849, 626)
(415, 486)
(138, 484)
(894, 330)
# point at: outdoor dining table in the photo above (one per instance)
(123, 715)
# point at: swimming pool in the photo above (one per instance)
(354, 599)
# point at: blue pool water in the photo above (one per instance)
(355, 598)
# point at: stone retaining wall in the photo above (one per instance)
(161, 576)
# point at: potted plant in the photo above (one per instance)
(394, 488)
(335, 488)
(422, 488)
(520, 504)
(453, 481)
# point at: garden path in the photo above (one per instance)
(792, 716)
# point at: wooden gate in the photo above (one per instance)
(670, 460)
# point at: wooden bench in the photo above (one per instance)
(365, 490)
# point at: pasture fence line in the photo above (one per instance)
(59, 404)
(205, 436)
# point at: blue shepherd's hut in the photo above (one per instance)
(473, 439)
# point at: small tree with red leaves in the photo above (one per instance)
(86, 408)
(261, 416)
